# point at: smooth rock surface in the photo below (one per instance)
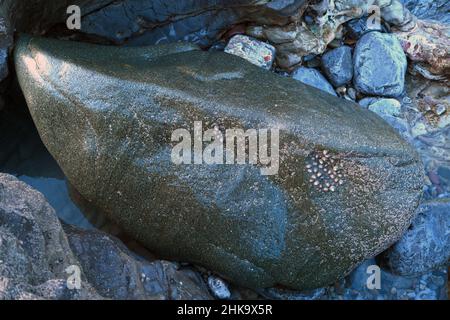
(313, 78)
(426, 245)
(108, 123)
(338, 65)
(379, 65)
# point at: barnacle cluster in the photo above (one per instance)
(324, 171)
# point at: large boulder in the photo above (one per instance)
(107, 115)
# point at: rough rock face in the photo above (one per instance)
(379, 65)
(35, 252)
(108, 123)
(426, 245)
(117, 273)
(147, 22)
(429, 9)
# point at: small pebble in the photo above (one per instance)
(219, 288)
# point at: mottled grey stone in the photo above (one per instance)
(426, 244)
(338, 65)
(379, 65)
(35, 252)
(314, 78)
(117, 273)
(108, 122)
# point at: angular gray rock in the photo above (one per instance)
(35, 252)
(426, 244)
(314, 78)
(379, 65)
(338, 65)
(117, 273)
(108, 122)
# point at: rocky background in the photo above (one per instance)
(398, 69)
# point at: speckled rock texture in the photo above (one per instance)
(35, 251)
(426, 245)
(108, 122)
(379, 65)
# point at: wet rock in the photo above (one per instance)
(314, 78)
(426, 245)
(38, 257)
(379, 65)
(257, 52)
(257, 230)
(338, 65)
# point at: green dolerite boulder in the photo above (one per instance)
(345, 189)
